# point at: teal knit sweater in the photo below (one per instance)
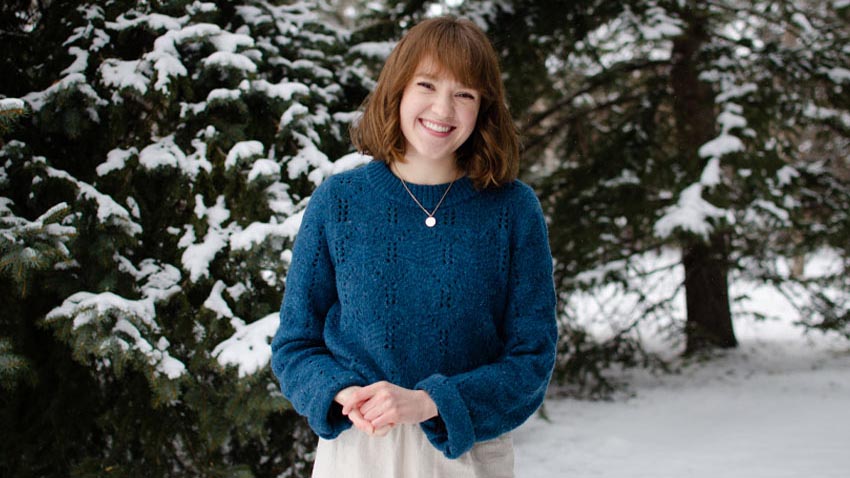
(464, 310)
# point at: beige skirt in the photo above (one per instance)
(405, 452)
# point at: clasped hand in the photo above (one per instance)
(376, 408)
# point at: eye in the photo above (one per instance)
(466, 95)
(425, 84)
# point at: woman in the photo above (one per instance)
(419, 304)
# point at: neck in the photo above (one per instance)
(427, 174)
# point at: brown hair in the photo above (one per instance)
(490, 156)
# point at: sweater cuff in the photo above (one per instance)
(451, 431)
(327, 419)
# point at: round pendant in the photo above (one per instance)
(430, 222)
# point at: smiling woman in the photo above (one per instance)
(418, 323)
(489, 156)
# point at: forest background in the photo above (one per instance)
(156, 157)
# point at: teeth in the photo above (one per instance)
(436, 127)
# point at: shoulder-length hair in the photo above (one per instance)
(490, 156)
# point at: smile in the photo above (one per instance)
(436, 127)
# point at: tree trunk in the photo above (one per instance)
(707, 296)
(709, 321)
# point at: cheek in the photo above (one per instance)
(470, 118)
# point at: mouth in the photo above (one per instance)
(435, 127)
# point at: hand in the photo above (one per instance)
(351, 409)
(383, 404)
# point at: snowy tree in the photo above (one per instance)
(685, 124)
(147, 208)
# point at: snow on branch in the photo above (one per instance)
(159, 282)
(692, 213)
(124, 75)
(248, 348)
(166, 153)
(374, 50)
(108, 211)
(726, 143)
(196, 257)
(109, 327)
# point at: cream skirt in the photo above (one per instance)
(405, 452)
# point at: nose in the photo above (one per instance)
(442, 105)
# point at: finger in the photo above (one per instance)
(360, 422)
(386, 420)
(356, 399)
(376, 406)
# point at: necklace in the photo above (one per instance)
(430, 221)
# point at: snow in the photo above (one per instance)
(123, 74)
(196, 257)
(839, 75)
(164, 153)
(736, 92)
(721, 145)
(116, 160)
(80, 63)
(11, 104)
(223, 94)
(249, 348)
(253, 15)
(786, 174)
(159, 282)
(259, 232)
(692, 212)
(711, 173)
(659, 25)
(132, 321)
(243, 150)
(775, 407)
(283, 90)
(216, 303)
(264, 168)
(167, 67)
(77, 81)
(108, 211)
(227, 42)
(154, 21)
(726, 143)
(375, 50)
(223, 59)
(780, 214)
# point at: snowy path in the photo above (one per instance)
(777, 407)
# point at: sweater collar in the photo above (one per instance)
(387, 182)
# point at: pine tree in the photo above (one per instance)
(147, 208)
(684, 124)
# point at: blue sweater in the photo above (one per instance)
(464, 310)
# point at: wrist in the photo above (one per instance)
(429, 407)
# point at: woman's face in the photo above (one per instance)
(437, 114)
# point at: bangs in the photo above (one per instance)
(458, 52)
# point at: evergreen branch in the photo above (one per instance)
(604, 78)
(13, 367)
(536, 139)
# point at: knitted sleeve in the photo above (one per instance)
(493, 399)
(309, 375)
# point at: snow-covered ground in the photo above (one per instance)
(778, 406)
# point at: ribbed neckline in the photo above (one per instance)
(387, 182)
